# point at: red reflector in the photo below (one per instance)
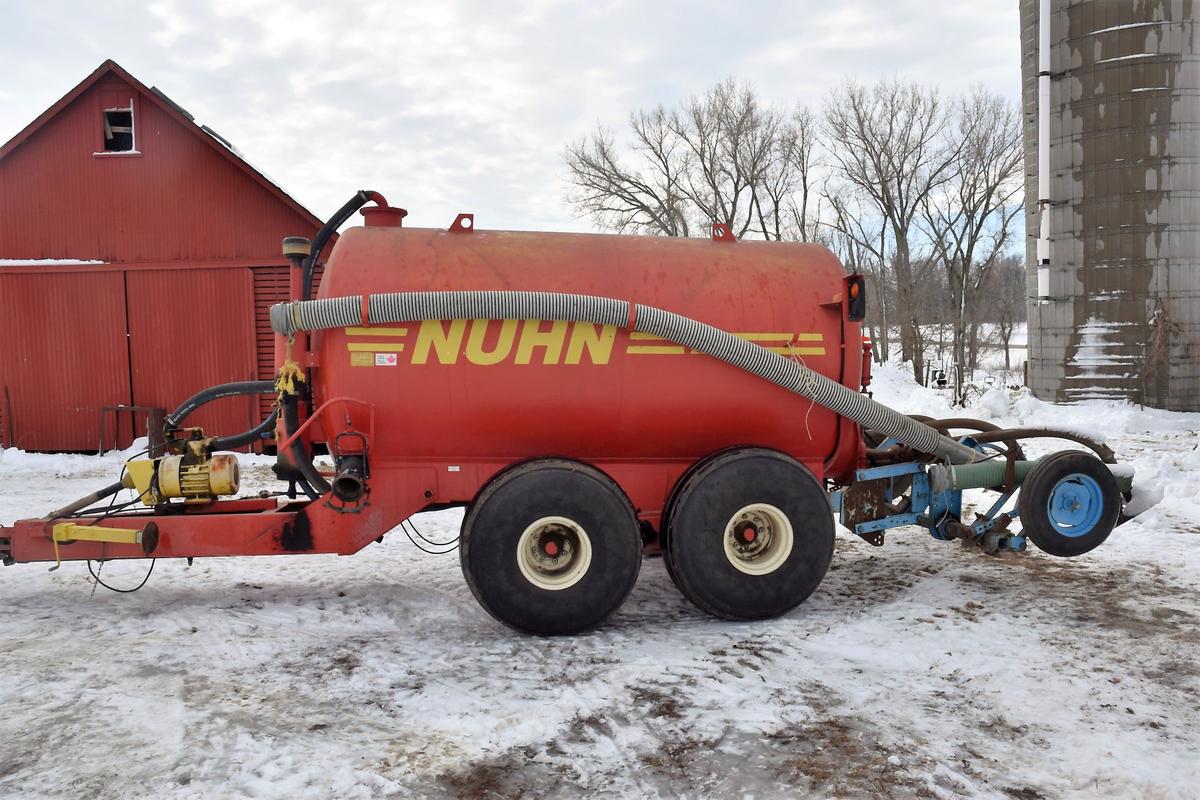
(551, 549)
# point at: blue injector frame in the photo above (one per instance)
(939, 512)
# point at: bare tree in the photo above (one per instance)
(1006, 293)
(797, 211)
(969, 219)
(804, 125)
(887, 141)
(732, 147)
(649, 198)
(720, 157)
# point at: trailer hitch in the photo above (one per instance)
(69, 532)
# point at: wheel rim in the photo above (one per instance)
(758, 539)
(554, 553)
(1075, 506)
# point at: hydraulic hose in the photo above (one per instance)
(944, 426)
(314, 484)
(898, 453)
(176, 417)
(379, 309)
(255, 434)
(360, 199)
(1099, 448)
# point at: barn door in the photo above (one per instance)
(62, 357)
(188, 330)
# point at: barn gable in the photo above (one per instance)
(75, 184)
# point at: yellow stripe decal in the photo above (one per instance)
(798, 351)
(785, 337)
(650, 350)
(782, 336)
(377, 331)
(782, 343)
(375, 347)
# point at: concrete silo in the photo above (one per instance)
(1114, 267)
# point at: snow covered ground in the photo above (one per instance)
(917, 669)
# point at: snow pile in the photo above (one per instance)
(15, 462)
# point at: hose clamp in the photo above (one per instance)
(293, 309)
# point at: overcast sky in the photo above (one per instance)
(466, 106)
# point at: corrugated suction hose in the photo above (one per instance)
(340, 312)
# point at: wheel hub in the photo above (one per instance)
(758, 539)
(1075, 505)
(554, 553)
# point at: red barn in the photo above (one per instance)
(139, 253)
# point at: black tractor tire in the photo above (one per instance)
(1063, 477)
(579, 502)
(781, 504)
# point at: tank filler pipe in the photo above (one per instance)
(360, 199)
(380, 309)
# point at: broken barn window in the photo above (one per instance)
(118, 129)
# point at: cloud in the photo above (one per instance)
(467, 106)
